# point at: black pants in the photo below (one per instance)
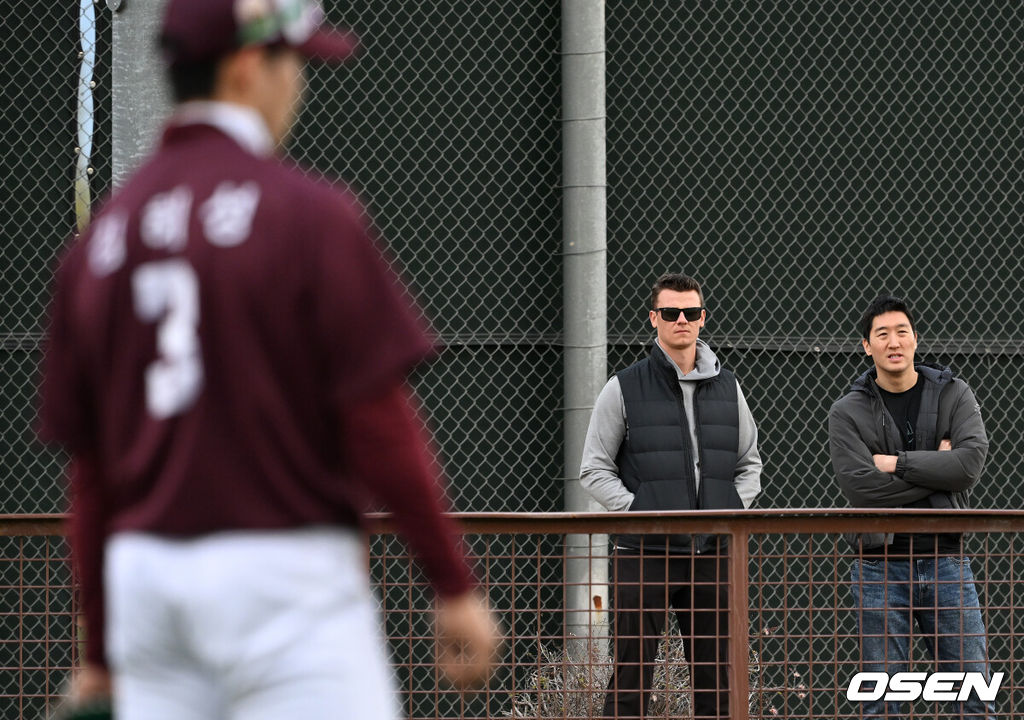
(696, 588)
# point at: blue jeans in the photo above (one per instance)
(937, 592)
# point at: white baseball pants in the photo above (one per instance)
(245, 626)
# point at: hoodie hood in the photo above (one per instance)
(938, 374)
(707, 365)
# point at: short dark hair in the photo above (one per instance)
(192, 81)
(197, 80)
(677, 282)
(881, 305)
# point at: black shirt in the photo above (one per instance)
(904, 408)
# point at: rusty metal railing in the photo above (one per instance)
(793, 653)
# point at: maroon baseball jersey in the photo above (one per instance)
(205, 331)
(210, 336)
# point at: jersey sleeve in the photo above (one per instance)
(64, 399)
(389, 455)
(369, 328)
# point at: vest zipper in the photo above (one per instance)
(688, 477)
(684, 428)
(698, 540)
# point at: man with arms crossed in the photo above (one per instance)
(910, 435)
(226, 365)
(672, 432)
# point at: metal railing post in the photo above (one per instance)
(739, 624)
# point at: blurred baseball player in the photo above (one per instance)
(226, 366)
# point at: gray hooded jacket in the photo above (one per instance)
(860, 426)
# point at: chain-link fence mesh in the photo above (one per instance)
(447, 125)
(45, 49)
(798, 158)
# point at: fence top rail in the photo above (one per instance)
(768, 520)
(773, 520)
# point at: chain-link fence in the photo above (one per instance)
(447, 125)
(46, 49)
(798, 158)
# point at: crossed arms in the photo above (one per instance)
(870, 477)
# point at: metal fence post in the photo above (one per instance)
(139, 98)
(584, 238)
(739, 624)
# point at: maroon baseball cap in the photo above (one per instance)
(199, 30)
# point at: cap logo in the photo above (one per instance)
(299, 19)
(266, 21)
(257, 22)
(207, 30)
(249, 10)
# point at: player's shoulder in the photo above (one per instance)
(312, 191)
(288, 189)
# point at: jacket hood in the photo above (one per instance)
(938, 374)
(708, 365)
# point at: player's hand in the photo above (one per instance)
(468, 637)
(89, 684)
(945, 444)
(87, 696)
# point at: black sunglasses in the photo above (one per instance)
(672, 314)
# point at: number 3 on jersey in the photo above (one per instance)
(167, 293)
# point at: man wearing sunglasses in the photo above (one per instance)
(910, 434)
(671, 432)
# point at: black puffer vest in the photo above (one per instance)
(656, 457)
